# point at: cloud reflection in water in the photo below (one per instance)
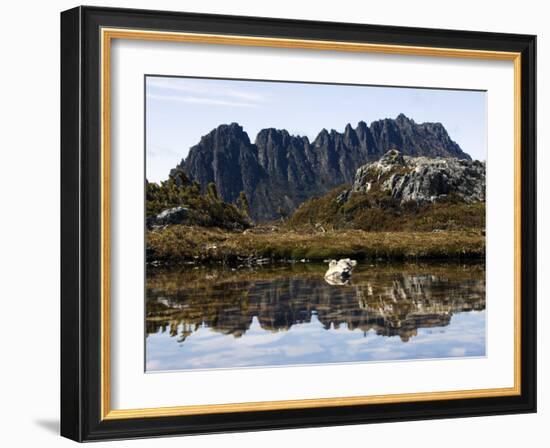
(288, 315)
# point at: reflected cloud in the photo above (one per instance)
(214, 317)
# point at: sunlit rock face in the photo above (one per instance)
(422, 179)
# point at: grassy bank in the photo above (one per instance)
(176, 244)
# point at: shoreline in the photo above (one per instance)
(179, 245)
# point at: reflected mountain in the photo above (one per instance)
(393, 300)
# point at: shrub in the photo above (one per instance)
(204, 210)
(378, 211)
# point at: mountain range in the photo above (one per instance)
(279, 171)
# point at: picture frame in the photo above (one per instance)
(86, 209)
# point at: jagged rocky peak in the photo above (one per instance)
(224, 156)
(272, 135)
(403, 121)
(225, 137)
(224, 134)
(322, 137)
(421, 179)
(362, 130)
(231, 128)
(350, 136)
(279, 171)
(413, 139)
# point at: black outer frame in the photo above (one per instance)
(80, 224)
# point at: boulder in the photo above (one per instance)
(339, 272)
(175, 215)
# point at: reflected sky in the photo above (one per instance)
(287, 315)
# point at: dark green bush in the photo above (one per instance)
(204, 210)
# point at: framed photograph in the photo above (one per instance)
(273, 223)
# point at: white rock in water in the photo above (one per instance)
(339, 272)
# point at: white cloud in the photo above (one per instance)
(199, 100)
(160, 151)
(197, 91)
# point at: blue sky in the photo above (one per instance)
(181, 110)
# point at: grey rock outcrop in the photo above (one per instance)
(175, 215)
(422, 179)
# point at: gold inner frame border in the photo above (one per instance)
(107, 35)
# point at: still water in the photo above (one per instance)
(215, 317)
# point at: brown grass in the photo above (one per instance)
(377, 211)
(175, 244)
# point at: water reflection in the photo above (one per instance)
(212, 317)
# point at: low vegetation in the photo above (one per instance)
(206, 210)
(378, 212)
(179, 243)
(360, 226)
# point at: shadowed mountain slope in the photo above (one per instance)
(280, 171)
